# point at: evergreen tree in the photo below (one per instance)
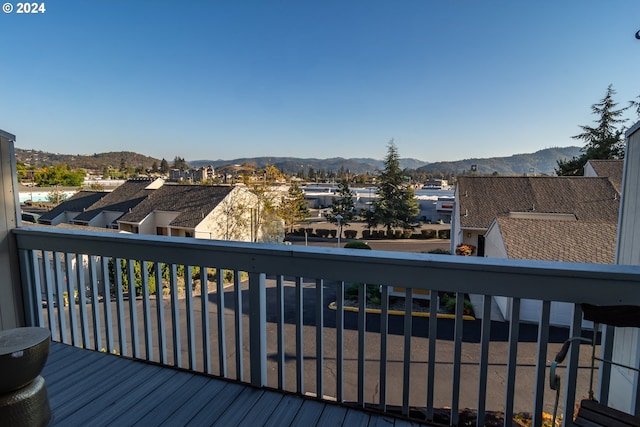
(312, 174)
(180, 163)
(635, 105)
(342, 205)
(164, 167)
(604, 141)
(293, 207)
(396, 205)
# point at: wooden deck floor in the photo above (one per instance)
(97, 389)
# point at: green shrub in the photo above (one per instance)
(406, 233)
(322, 232)
(366, 234)
(151, 274)
(372, 291)
(428, 233)
(449, 303)
(227, 276)
(444, 234)
(439, 251)
(351, 292)
(357, 245)
(350, 234)
(137, 275)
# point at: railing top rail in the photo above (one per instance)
(598, 284)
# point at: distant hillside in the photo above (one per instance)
(294, 165)
(541, 162)
(95, 162)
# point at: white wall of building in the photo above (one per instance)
(64, 218)
(104, 219)
(493, 243)
(626, 347)
(150, 224)
(232, 219)
(589, 170)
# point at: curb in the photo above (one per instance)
(332, 306)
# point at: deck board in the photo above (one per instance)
(215, 407)
(357, 418)
(109, 399)
(128, 402)
(263, 408)
(332, 416)
(69, 388)
(149, 403)
(91, 388)
(192, 406)
(284, 413)
(57, 354)
(238, 409)
(382, 421)
(90, 393)
(187, 391)
(309, 413)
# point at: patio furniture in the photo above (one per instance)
(23, 395)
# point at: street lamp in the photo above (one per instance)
(339, 219)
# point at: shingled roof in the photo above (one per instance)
(193, 202)
(76, 203)
(611, 169)
(481, 199)
(122, 199)
(554, 240)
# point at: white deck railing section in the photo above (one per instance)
(203, 331)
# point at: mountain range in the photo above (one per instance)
(540, 162)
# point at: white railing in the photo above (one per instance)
(294, 342)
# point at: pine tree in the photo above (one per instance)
(635, 105)
(180, 163)
(164, 167)
(396, 205)
(342, 205)
(604, 141)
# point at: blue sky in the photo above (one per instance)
(334, 78)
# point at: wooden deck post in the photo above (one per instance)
(11, 301)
